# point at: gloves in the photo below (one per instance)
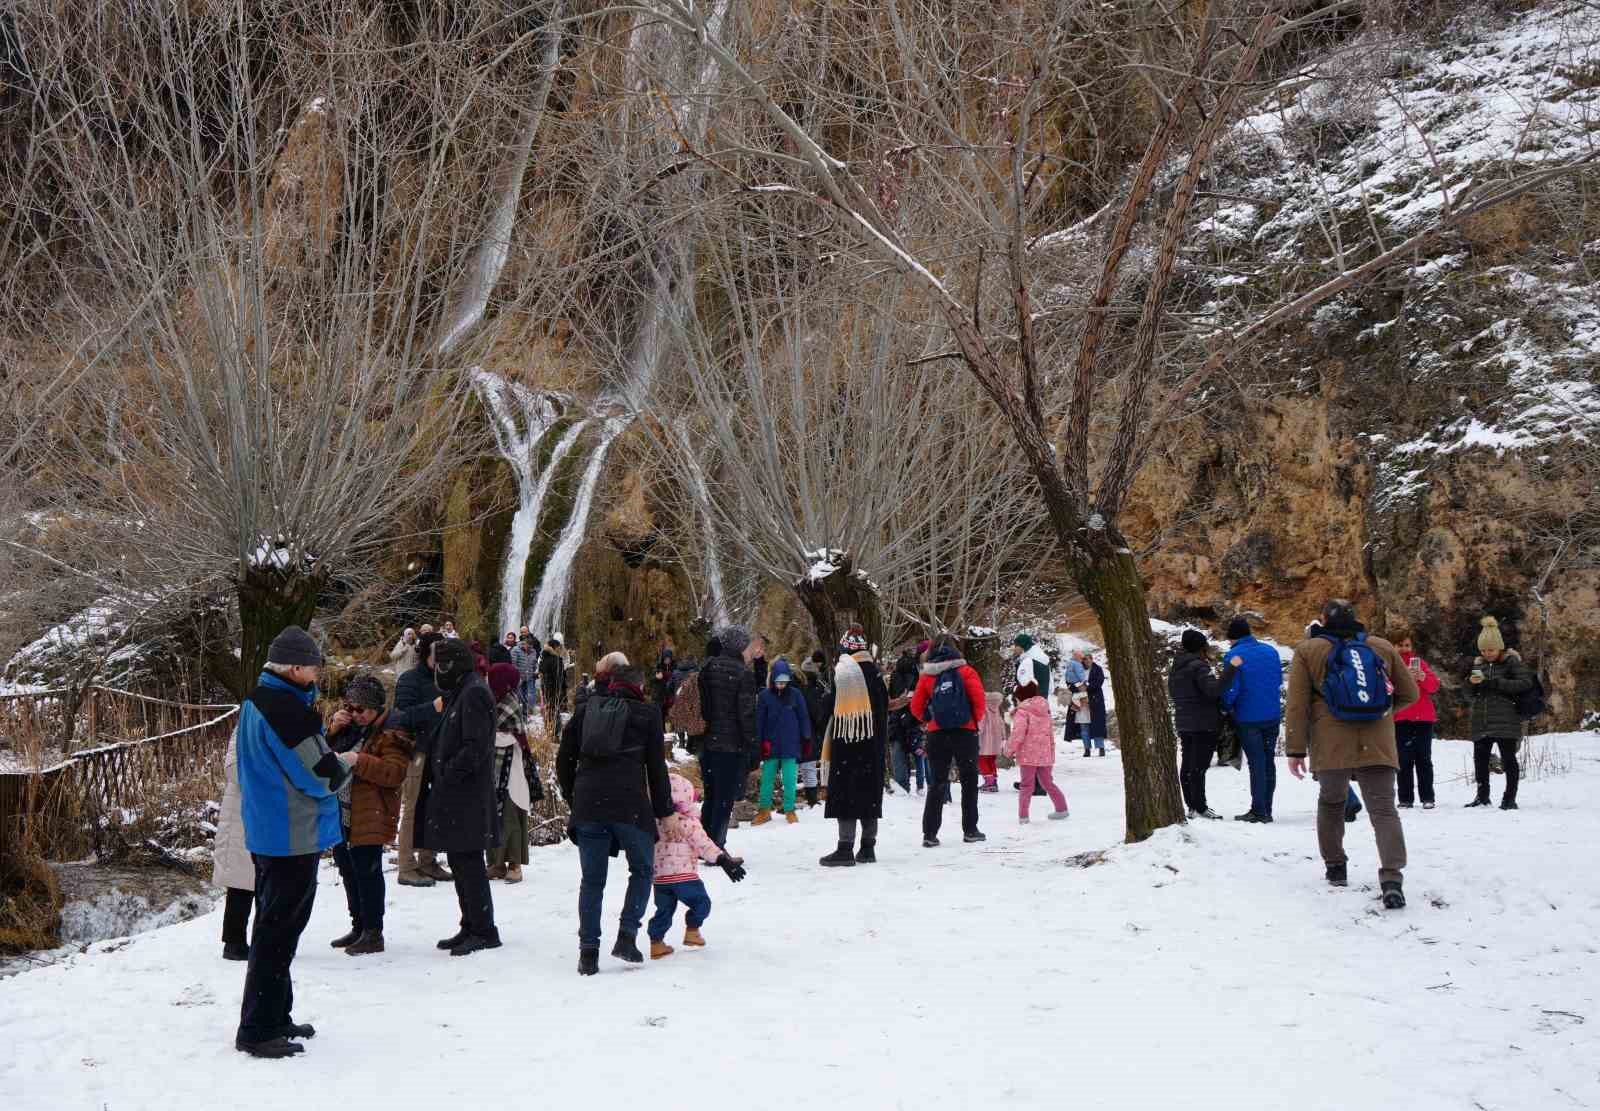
(766, 750)
(805, 750)
(732, 865)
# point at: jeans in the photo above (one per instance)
(594, 857)
(1259, 739)
(692, 894)
(470, 873)
(1197, 748)
(722, 776)
(1333, 795)
(1086, 735)
(361, 868)
(1508, 761)
(286, 887)
(961, 747)
(769, 768)
(1414, 739)
(236, 915)
(903, 763)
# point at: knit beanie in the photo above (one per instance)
(854, 640)
(1490, 640)
(923, 646)
(294, 648)
(367, 692)
(1023, 641)
(735, 639)
(1239, 628)
(1195, 641)
(452, 662)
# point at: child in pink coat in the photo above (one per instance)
(681, 845)
(1033, 744)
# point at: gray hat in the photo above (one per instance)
(735, 639)
(367, 692)
(294, 648)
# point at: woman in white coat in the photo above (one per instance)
(232, 867)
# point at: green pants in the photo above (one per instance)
(768, 767)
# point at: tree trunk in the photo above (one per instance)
(269, 602)
(1111, 583)
(838, 601)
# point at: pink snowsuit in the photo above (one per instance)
(1033, 743)
(678, 854)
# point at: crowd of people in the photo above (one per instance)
(446, 766)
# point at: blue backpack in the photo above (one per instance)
(1356, 687)
(949, 704)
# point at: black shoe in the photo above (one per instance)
(588, 961)
(272, 1048)
(1508, 804)
(1248, 816)
(1352, 815)
(842, 857)
(930, 842)
(454, 939)
(1403, 805)
(302, 1030)
(1481, 800)
(348, 939)
(1211, 814)
(1339, 875)
(370, 941)
(474, 942)
(974, 836)
(412, 879)
(626, 950)
(1099, 752)
(867, 855)
(235, 951)
(1393, 897)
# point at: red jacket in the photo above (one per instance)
(924, 691)
(1422, 709)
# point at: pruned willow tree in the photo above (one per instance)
(274, 229)
(945, 144)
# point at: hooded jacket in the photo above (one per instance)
(1422, 709)
(938, 663)
(782, 717)
(289, 779)
(1196, 694)
(1033, 738)
(1034, 666)
(682, 845)
(1494, 701)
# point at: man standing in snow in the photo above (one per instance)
(289, 783)
(413, 712)
(1344, 749)
(1251, 685)
(525, 655)
(728, 695)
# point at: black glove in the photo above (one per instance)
(732, 865)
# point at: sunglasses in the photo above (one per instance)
(352, 709)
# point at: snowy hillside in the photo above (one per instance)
(1208, 967)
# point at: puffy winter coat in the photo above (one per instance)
(1254, 697)
(1033, 737)
(231, 865)
(1035, 665)
(456, 804)
(1422, 709)
(1494, 701)
(1310, 727)
(379, 771)
(414, 692)
(782, 719)
(289, 779)
(728, 696)
(992, 730)
(855, 768)
(629, 788)
(903, 680)
(1196, 694)
(404, 654)
(940, 662)
(682, 845)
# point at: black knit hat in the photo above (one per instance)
(1194, 641)
(452, 662)
(366, 691)
(1239, 628)
(294, 648)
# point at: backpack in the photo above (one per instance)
(1531, 702)
(1356, 686)
(949, 703)
(685, 716)
(605, 719)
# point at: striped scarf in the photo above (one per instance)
(852, 705)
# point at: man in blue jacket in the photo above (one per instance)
(1252, 683)
(289, 783)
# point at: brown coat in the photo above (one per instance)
(1310, 728)
(375, 787)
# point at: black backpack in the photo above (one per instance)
(605, 719)
(1531, 702)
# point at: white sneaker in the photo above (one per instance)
(1022, 821)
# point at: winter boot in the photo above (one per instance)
(454, 939)
(1248, 816)
(272, 1048)
(626, 949)
(692, 937)
(301, 1030)
(991, 785)
(930, 842)
(474, 942)
(513, 873)
(1099, 752)
(415, 879)
(867, 855)
(1481, 800)
(1508, 804)
(498, 872)
(348, 939)
(370, 941)
(588, 960)
(1393, 897)
(973, 837)
(659, 949)
(842, 857)
(235, 951)
(435, 871)
(1339, 875)
(1351, 813)
(762, 818)
(791, 817)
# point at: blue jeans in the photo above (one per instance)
(1085, 734)
(902, 763)
(692, 894)
(1259, 740)
(594, 856)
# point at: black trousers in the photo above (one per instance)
(1414, 744)
(471, 874)
(1508, 760)
(1197, 749)
(236, 916)
(286, 886)
(724, 777)
(361, 868)
(944, 747)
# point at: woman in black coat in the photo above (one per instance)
(855, 767)
(1196, 695)
(456, 804)
(1095, 683)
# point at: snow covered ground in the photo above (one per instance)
(1208, 968)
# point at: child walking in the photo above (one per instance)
(682, 845)
(991, 741)
(783, 726)
(1033, 743)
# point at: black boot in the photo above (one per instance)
(588, 961)
(1339, 875)
(272, 1048)
(1481, 800)
(348, 939)
(866, 855)
(370, 941)
(842, 857)
(472, 943)
(302, 1030)
(1393, 897)
(1508, 804)
(454, 939)
(626, 950)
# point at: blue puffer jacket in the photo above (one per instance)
(782, 717)
(1254, 694)
(289, 779)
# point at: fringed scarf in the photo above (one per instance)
(852, 705)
